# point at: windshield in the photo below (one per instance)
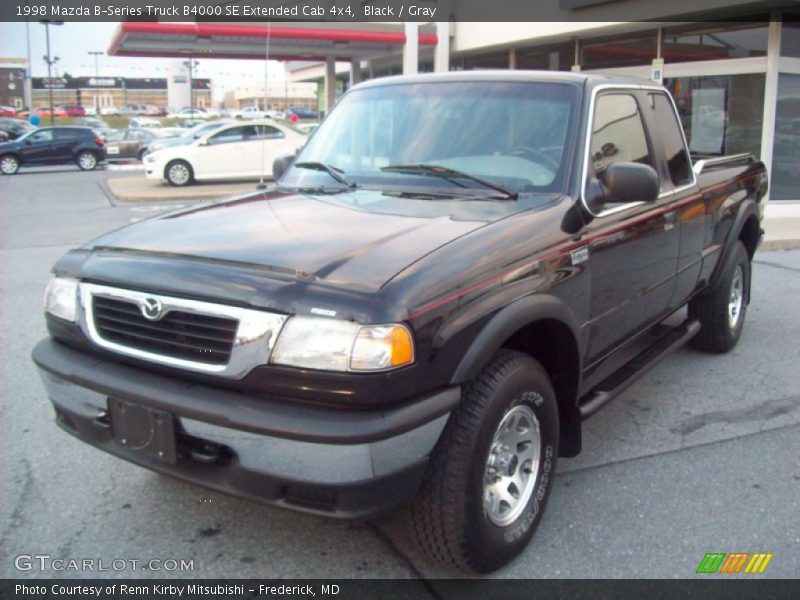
(515, 134)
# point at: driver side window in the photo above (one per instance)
(617, 133)
(42, 136)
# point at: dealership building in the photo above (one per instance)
(115, 91)
(736, 82)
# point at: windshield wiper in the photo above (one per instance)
(334, 172)
(450, 174)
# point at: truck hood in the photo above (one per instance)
(361, 238)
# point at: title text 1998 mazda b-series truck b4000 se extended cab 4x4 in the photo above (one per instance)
(452, 274)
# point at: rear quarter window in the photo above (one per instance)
(677, 156)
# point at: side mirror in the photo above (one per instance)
(202, 143)
(281, 165)
(622, 183)
(631, 182)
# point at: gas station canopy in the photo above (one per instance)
(287, 41)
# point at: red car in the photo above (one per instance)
(71, 110)
(42, 112)
(7, 111)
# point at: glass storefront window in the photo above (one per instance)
(494, 60)
(621, 50)
(556, 57)
(785, 176)
(714, 41)
(790, 37)
(721, 114)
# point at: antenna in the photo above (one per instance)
(261, 185)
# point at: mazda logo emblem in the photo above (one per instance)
(151, 308)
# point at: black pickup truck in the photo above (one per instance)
(452, 274)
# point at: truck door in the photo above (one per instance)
(633, 247)
(679, 188)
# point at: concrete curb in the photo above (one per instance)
(774, 245)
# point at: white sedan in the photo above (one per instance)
(234, 151)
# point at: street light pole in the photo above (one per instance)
(96, 82)
(191, 63)
(50, 62)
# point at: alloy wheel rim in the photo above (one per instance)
(87, 161)
(8, 165)
(736, 298)
(512, 466)
(179, 174)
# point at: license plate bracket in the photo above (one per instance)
(143, 429)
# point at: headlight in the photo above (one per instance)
(333, 345)
(151, 158)
(61, 298)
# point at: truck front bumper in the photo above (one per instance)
(339, 463)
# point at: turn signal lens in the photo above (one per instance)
(382, 347)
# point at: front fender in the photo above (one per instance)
(508, 321)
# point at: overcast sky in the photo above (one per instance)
(71, 42)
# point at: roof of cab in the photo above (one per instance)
(588, 79)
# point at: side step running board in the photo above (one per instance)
(616, 383)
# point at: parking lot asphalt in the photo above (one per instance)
(702, 455)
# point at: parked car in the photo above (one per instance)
(302, 113)
(148, 122)
(108, 111)
(151, 110)
(4, 137)
(8, 111)
(53, 146)
(14, 128)
(92, 122)
(307, 128)
(235, 151)
(422, 311)
(189, 113)
(131, 143)
(183, 137)
(43, 112)
(133, 109)
(72, 110)
(249, 112)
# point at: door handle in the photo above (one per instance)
(670, 219)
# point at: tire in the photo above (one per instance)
(456, 518)
(9, 164)
(722, 309)
(178, 173)
(87, 161)
(141, 154)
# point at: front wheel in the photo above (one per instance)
(9, 164)
(87, 161)
(179, 173)
(722, 309)
(489, 477)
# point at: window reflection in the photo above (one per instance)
(720, 114)
(785, 184)
(714, 41)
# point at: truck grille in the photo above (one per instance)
(179, 334)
